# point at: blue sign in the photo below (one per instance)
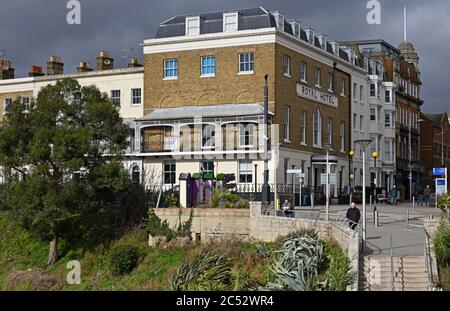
(439, 171)
(440, 182)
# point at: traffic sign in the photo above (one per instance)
(294, 171)
(439, 171)
(441, 186)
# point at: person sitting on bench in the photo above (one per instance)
(287, 209)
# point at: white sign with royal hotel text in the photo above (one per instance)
(316, 95)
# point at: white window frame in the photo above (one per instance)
(386, 96)
(374, 114)
(6, 103)
(195, 19)
(303, 124)
(203, 75)
(330, 80)
(170, 69)
(388, 124)
(303, 72)
(342, 136)
(243, 129)
(361, 93)
(361, 123)
(287, 66)
(330, 130)
(250, 62)
(355, 120)
(26, 102)
(208, 137)
(342, 87)
(374, 94)
(286, 123)
(318, 143)
(236, 23)
(355, 89)
(317, 77)
(245, 167)
(173, 164)
(115, 99)
(136, 99)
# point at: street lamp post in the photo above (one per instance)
(293, 186)
(265, 190)
(327, 148)
(350, 174)
(410, 157)
(256, 181)
(364, 143)
(375, 156)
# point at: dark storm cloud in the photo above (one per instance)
(32, 30)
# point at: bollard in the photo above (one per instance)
(376, 218)
(407, 219)
(430, 216)
(371, 202)
(312, 200)
(414, 203)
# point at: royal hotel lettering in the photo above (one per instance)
(316, 95)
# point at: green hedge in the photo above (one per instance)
(124, 258)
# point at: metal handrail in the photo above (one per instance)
(392, 263)
(427, 255)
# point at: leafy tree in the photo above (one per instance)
(63, 160)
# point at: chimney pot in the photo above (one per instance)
(6, 70)
(134, 63)
(35, 71)
(84, 67)
(55, 66)
(105, 61)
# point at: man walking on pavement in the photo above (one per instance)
(354, 215)
(426, 196)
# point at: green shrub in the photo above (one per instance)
(124, 258)
(281, 239)
(225, 199)
(441, 244)
(208, 271)
(444, 202)
(156, 227)
(338, 274)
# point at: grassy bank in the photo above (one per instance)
(245, 266)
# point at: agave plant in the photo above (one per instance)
(296, 267)
(209, 270)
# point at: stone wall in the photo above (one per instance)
(210, 224)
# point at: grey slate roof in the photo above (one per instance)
(250, 18)
(190, 112)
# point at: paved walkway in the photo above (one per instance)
(392, 222)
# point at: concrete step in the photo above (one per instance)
(389, 288)
(405, 260)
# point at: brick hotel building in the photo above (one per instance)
(204, 74)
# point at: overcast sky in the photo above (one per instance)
(30, 31)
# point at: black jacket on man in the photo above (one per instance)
(354, 215)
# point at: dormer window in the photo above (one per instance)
(296, 26)
(230, 22)
(279, 19)
(309, 34)
(192, 26)
(323, 41)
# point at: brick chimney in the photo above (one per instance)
(104, 61)
(36, 71)
(6, 70)
(84, 67)
(55, 66)
(134, 63)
